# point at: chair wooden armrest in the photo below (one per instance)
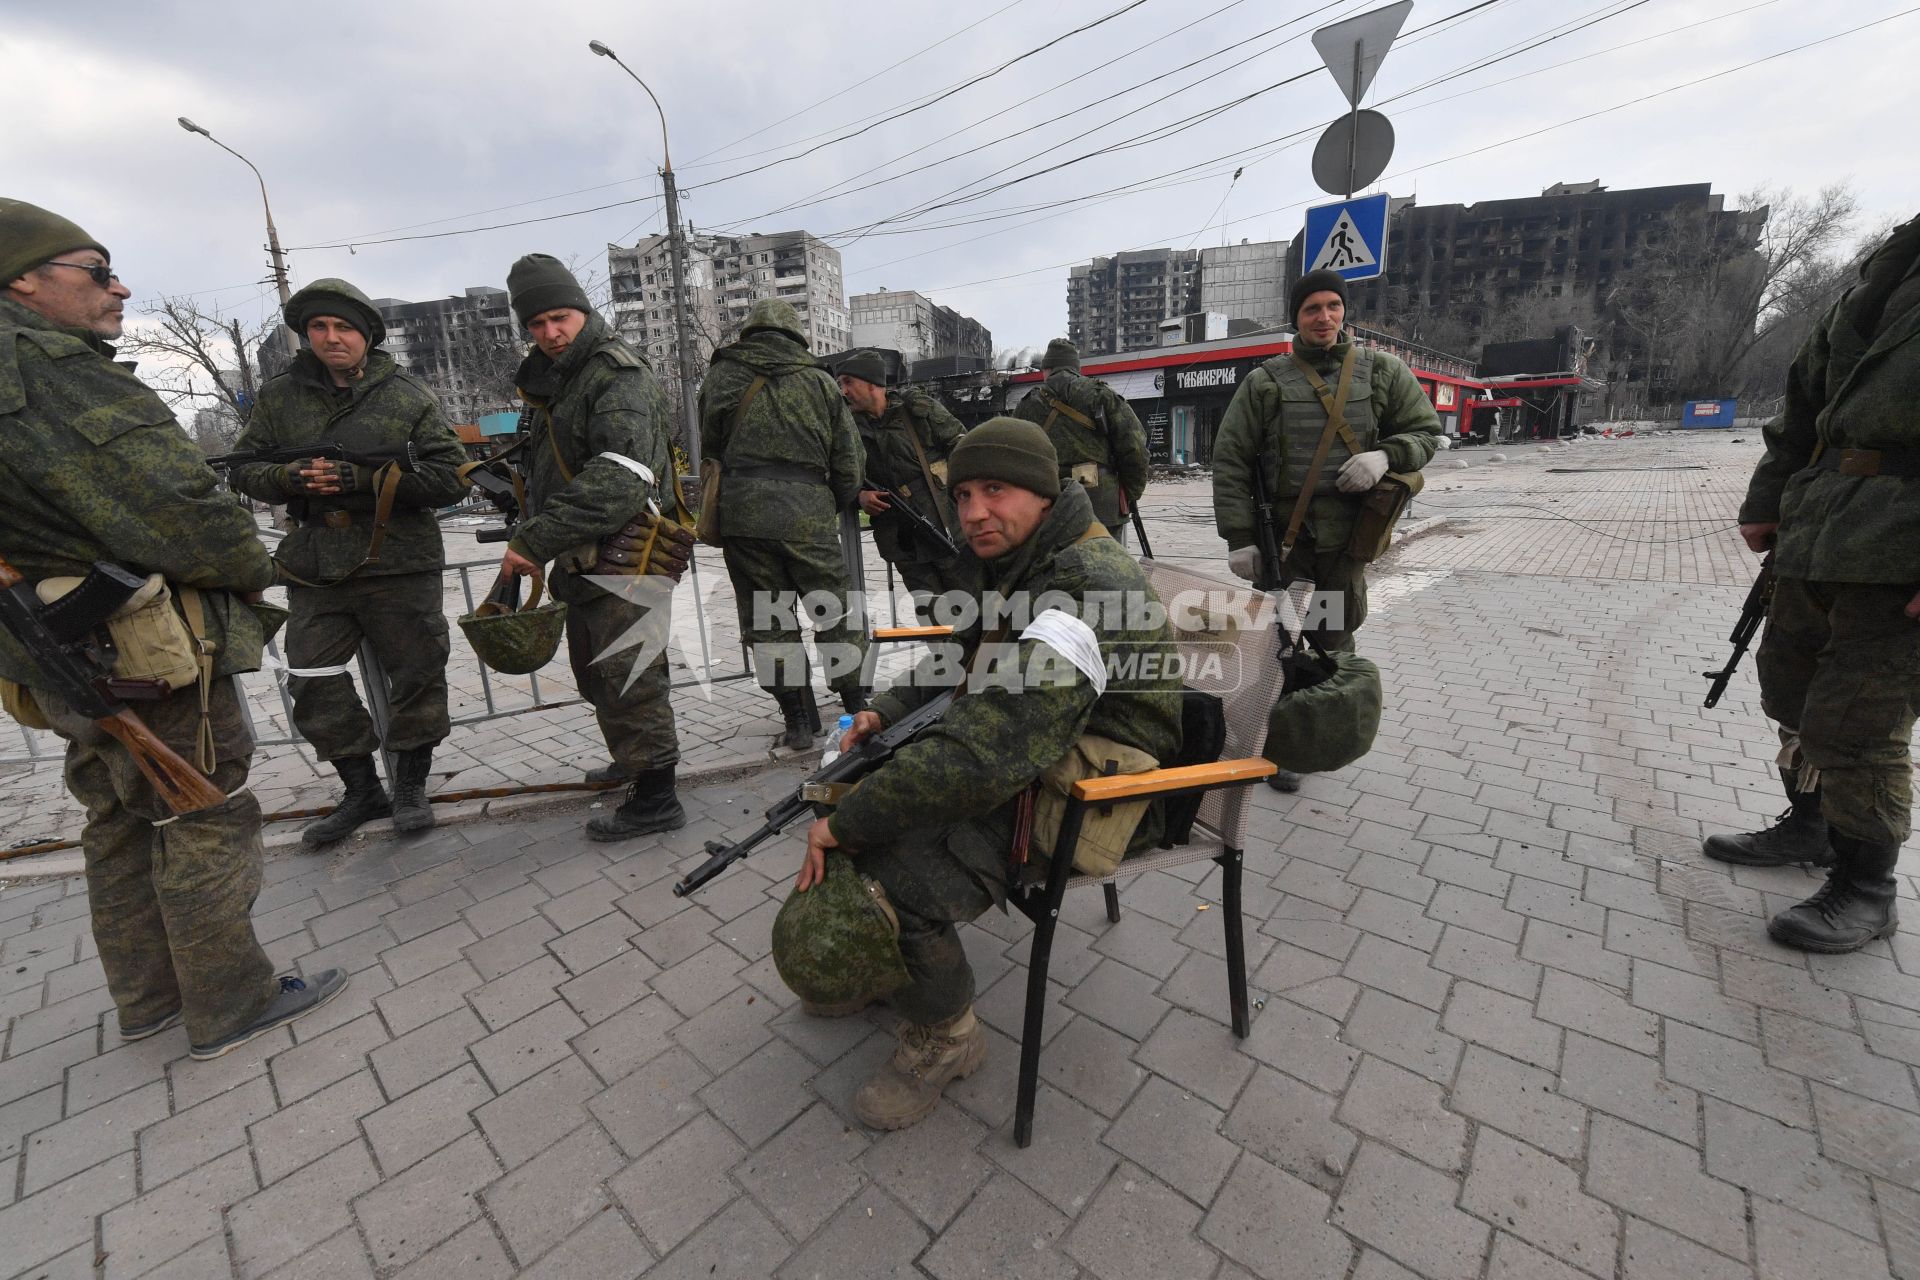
(1157, 782)
(912, 633)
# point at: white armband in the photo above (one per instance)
(638, 468)
(1073, 640)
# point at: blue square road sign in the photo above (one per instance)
(1347, 236)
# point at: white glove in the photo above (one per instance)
(1362, 471)
(1244, 562)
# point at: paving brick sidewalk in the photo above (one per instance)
(1509, 1023)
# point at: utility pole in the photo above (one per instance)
(676, 254)
(289, 340)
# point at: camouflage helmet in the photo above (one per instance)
(1328, 716)
(775, 313)
(839, 942)
(515, 641)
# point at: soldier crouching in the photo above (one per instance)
(929, 839)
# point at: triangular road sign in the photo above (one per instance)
(1373, 32)
(1343, 247)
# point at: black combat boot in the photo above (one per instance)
(365, 800)
(854, 699)
(813, 710)
(798, 735)
(609, 774)
(650, 806)
(411, 809)
(1798, 837)
(1282, 780)
(1854, 906)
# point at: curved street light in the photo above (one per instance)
(287, 337)
(676, 255)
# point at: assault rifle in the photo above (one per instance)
(1127, 509)
(917, 522)
(61, 642)
(403, 456)
(1272, 575)
(820, 791)
(1759, 596)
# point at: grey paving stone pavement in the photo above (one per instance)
(1507, 1022)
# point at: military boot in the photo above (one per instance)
(813, 710)
(651, 805)
(610, 774)
(1797, 837)
(909, 1083)
(412, 811)
(1854, 906)
(1282, 780)
(797, 735)
(365, 799)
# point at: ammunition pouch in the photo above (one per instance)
(1380, 510)
(1106, 829)
(151, 639)
(17, 701)
(648, 543)
(707, 526)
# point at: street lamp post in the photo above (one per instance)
(676, 254)
(288, 340)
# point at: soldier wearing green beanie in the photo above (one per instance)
(96, 469)
(1100, 442)
(934, 827)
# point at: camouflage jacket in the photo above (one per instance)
(1119, 447)
(1394, 417)
(891, 460)
(600, 408)
(798, 427)
(1845, 391)
(95, 468)
(996, 740)
(386, 409)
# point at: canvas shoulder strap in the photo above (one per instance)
(1336, 405)
(740, 410)
(938, 493)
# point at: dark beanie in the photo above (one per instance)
(1007, 449)
(30, 235)
(541, 282)
(1321, 281)
(866, 365)
(335, 297)
(1061, 354)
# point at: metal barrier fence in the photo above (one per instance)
(37, 747)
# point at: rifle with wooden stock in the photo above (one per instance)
(81, 674)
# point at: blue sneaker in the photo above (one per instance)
(130, 1034)
(296, 1000)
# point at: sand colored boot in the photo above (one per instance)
(908, 1084)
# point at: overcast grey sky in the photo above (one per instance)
(412, 116)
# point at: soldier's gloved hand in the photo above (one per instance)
(351, 476)
(1362, 471)
(1245, 562)
(873, 502)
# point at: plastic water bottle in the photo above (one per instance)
(832, 752)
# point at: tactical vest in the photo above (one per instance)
(1303, 418)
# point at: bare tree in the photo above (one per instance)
(199, 356)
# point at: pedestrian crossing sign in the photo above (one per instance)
(1348, 236)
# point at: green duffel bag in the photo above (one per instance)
(1328, 714)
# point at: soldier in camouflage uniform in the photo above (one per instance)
(95, 468)
(598, 455)
(1101, 444)
(791, 461)
(342, 389)
(1277, 412)
(934, 827)
(907, 436)
(1837, 498)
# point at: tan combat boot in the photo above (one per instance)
(908, 1084)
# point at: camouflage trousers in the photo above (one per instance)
(636, 720)
(1339, 591)
(402, 617)
(1839, 668)
(937, 880)
(172, 904)
(925, 582)
(771, 580)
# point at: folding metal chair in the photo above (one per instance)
(1234, 625)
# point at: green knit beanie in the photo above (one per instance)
(541, 282)
(1010, 450)
(866, 365)
(30, 235)
(1061, 354)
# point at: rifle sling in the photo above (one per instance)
(1336, 405)
(193, 605)
(938, 494)
(386, 482)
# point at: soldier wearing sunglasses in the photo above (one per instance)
(95, 468)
